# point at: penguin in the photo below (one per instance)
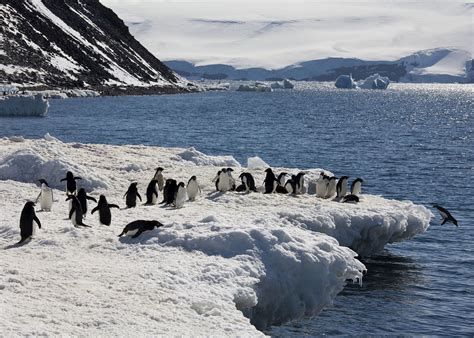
(331, 187)
(231, 179)
(270, 183)
(136, 228)
(152, 192)
(83, 197)
(446, 215)
(300, 188)
(192, 188)
(350, 199)
(356, 186)
(131, 195)
(322, 185)
(75, 214)
(169, 192)
(290, 185)
(28, 219)
(180, 196)
(281, 182)
(215, 180)
(248, 182)
(341, 187)
(159, 177)
(224, 181)
(45, 196)
(71, 186)
(105, 216)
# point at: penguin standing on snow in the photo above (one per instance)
(192, 188)
(248, 182)
(28, 222)
(300, 188)
(105, 216)
(270, 183)
(322, 185)
(152, 192)
(215, 180)
(281, 182)
(45, 196)
(169, 192)
(132, 195)
(290, 185)
(331, 187)
(159, 178)
(229, 172)
(341, 187)
(223, 182)
(71, 186)
(356, 186)
(181, 195)
(75, 214)
(136, 228)
(446, 215)
(83, 197)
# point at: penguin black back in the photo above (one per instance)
(152, 192)
(270, 181)
(70, 179)
(83, 197)
(446, 215)
(105, 216)
(169, 192)
(132, 195)
(28, 219)
(136, 228)
(75, 214)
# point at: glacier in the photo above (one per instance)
(225, 264)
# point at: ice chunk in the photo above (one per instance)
(256, 163)
(23, 106)
(345, 81)
(285, 84)
(374, 81)
(256, 87)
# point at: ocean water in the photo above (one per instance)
(410, 142)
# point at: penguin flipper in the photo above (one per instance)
(37, 221)
(139, 232)
(123, 233)
(62, 179)
(91, 198)
(444, 221)
(138, 195)
(95, 209)
(37, 198)
(71, 212)
(114, 206)
(78, 178)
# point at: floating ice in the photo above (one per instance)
(285, 84)
(23, 106)
(255, 87)
(345, 82)
(374, 81)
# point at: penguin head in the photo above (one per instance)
(30, 204)
(223, 170)
(229, 170)
(43, 181)
(193, 178)
(69, 174)
(268, 170)
(241, 175)
(159, 170)
(181, 184)
(102, 199)
(71, 197)
(156, 224)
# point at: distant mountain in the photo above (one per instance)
(77, 44)
(436, 65)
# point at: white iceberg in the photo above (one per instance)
(223, 264)
(345, 82)
(23, 105)
(374, 81)
(255, 87)
(285, 84)
(256, 163)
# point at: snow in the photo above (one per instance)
(345, 82)
(23, 106)
(220, 265)
(256, 163)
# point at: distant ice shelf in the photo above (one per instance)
(32, 105)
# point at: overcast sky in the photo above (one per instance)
(278, 33)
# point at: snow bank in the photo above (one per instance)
(285, 84)
(345, 82)
(374, 81)
(256, 163)
(255, 87)
(220, 264)
(23, 106)
(201, 159)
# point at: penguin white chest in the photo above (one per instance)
(46, 199)
(154, 197)
(180, 197)
(192, 190)
(131, 232)
(73, 219)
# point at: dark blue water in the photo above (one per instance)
(409, 142)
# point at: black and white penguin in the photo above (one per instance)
(45, 196)
(131, 195)
(322, 185)
(105, 216)
(181, 195)
(270, 183)
(281, 182)
(291, 185)
(169, 191)
(159, 178)
(75, 214)
(136, 228)
(28, 222)
(223, 181)
(248, 182)
(231, 179)
(192, 188)
(350, 199)
(331, 187)
(300, 188)
(152, 192)
(446, 215)
(341, 187)
(215, 180)
(356, 186)
(71, 186)
(83, 197)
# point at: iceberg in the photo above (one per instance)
(23, 105)
(285, 84)
(225, 264)
(345, 82)
(256, 87)
(374, 81)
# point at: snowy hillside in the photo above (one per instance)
(444, 65)
(219, 264)
(76, 44)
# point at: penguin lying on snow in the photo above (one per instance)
(71, 186)
(136, 228)
(446, 215)
(45, 196)
(28, 222)
(75, 214)
(350, 199)
(105, 216)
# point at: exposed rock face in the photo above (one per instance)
(77, 43)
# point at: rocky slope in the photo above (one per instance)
(77, 44)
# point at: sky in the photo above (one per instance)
(273, 34)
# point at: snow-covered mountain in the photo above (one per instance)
(77, 43)
(444, 65)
